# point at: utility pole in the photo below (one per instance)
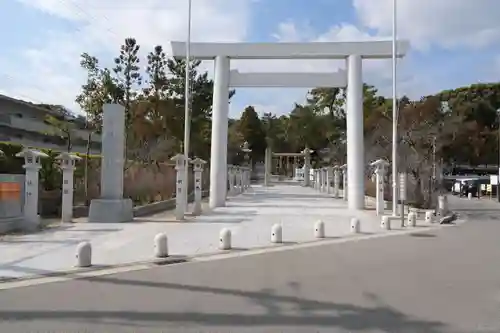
(395, 193)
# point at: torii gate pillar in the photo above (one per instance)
(354, 52)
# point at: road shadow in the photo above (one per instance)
(280, 311)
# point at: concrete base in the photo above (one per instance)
(111, 210)
(31, 225)
(10, 224)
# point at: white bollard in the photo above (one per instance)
(412, 219)
(386, 223)
(161, 245)
(469, 196)
(84, 254)
(442, 205)
(319, 229)
(355, 226)
(276, 234)
(429, 217)
(225, 239)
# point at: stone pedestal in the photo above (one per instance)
(239, 179)
(111, 206)
(246, 178)
(111, 210)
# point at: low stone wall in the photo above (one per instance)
(161, 206)
(143, 210)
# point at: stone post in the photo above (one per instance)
(180, 167)
(336, 181)
(321, 179)
(32, 166)
(325, 179)
(307, 166)
(344, 181)
(246, 182)
(236, 179)
(329, 174)
(442, 205)
(245, 175)
(239, 178)
(249, 177)
(267, 166)
(380, 168)
(67, 165)
(230, 177)
(198, 172)
(111, 206)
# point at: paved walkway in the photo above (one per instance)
(249, 216)
(440, 281)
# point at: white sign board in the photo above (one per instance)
(494, 179)
(402, 186)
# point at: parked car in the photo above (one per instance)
(463, 187)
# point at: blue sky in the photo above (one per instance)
(39, 58)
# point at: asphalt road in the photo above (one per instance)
(441, 281)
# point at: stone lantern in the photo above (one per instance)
(180, 167)
(380, 169)
(307, 165)
(198, 164)
(32, 166)
(344, 181)
(336, 181)
(67, 165)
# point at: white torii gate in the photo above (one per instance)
(224, 78)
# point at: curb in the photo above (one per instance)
(99, 270)
(96, 268)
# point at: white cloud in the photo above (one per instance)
(50, 71)
(446, 23)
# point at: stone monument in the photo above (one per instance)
(111, 206)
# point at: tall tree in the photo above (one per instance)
(305, 128)
(157, 106)
(128, 72)
(252, 132)
(330, 99)
(201, 88)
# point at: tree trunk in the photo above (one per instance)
(68, 147)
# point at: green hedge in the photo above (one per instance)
(50, 173)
